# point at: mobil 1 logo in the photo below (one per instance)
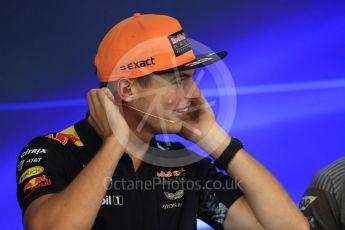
(112, 200)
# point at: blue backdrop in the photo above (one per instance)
(287, 58)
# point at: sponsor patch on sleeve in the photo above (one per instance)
(35, 152)
(34, 183)
(33, 171)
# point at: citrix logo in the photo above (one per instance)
(139, 64)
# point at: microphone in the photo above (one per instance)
(161, 118)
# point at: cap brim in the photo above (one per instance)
(200, 61)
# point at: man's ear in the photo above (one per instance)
(124, 89)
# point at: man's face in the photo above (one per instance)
(167, 96)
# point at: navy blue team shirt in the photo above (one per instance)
(48, 163)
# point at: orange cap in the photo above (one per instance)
(145, 44)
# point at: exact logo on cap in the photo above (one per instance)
(138, 64)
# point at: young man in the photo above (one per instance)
(80, 178)
(324, 200)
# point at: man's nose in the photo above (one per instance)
(191, 90)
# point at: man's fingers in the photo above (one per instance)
(92, 119)
(98, 102)
(109, 95)
(90, 104)
(105, 115)
(97, 105)
(104, 96)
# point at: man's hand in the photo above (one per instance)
(202, 118)
(203, 128)
(108, 121)
(105, 116)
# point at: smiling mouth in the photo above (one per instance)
(182, 110)
(182, 113)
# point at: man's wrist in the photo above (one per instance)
(215, 141)
(112, 142)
